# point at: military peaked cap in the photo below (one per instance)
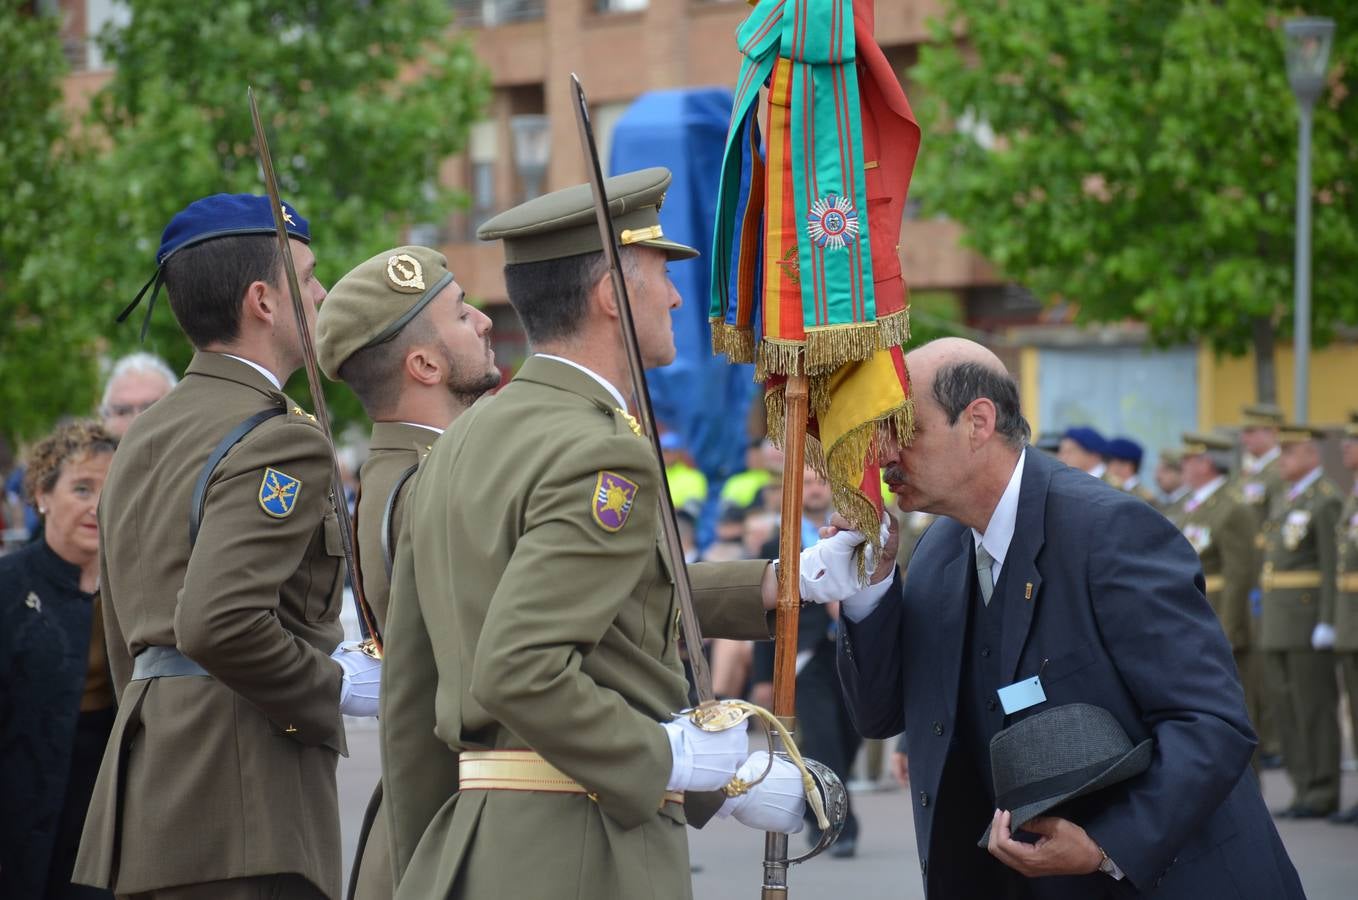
(1262, 415)
(1198, 442)
(1294, 433)
(563, 223)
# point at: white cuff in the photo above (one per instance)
(862, 604)
(681, 767)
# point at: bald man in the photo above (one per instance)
(1035, 570)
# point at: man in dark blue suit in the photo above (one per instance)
(1035, 569)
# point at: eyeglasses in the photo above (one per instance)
(124, 410)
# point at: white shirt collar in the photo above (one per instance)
(999, 531)
(1099, 470)
(1180, 492)
(1306, 481)
(1131, 482)
(421, 425)
(1255, 464)
(273, 379)
(617, 395)
(1201, 494)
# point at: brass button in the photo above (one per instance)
(291, 729)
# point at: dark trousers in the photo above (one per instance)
(824, 731)
(91, 736)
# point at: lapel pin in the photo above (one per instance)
(1028, 591)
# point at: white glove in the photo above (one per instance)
(828, 571)
(775, 804)
(1322, 636)
(704, 760)
(361, 682)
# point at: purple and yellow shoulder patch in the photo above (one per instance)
(613, 499)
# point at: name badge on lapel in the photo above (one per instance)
(1021, 695)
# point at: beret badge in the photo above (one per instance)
(405, 273)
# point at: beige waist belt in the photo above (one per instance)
(521, 770)
(1284, 580)
(1214, 583)
(1348, 582)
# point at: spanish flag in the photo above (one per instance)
(805, 272)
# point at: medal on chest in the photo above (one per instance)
(1253, 491)
(1294, 529)
(1200, 536)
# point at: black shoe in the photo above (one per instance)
(844, 848)
(1301, 812)
(1270, 761)
(1348, 817)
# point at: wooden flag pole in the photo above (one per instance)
(795, 398)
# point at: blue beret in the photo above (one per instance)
(1087, 438)
(1124, 449)
(226, 214)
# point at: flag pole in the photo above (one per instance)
(795, 393)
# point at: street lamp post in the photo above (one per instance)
(532, 149)
(1308, 52)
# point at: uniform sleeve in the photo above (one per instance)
(227, 618)
(1171, 654)
(119, 661)
(728, 599)
(562, 590)
(1326, 528)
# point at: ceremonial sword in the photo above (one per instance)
(367, 623)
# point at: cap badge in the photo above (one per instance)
(832, 223)
(405, 273)
(613, 498)
(278, 493)
(287, 216)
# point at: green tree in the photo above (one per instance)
(1139, 157)
(363, 102)
(43, 366)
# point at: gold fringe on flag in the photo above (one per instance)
(831, 346)
(735, 341)
(893, 330)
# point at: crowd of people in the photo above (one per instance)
(174, 681)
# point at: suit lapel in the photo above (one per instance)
(952, 618)
(1022, 581)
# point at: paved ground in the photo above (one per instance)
(726, 856)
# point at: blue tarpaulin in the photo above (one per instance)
(703, 397)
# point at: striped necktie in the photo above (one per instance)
(984, 561)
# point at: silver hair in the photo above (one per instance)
(138, 362)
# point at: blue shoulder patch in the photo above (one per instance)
(278, 493)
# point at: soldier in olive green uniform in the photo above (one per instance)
(221, 596)
(1169, 479)
(1260, 486)
(1221, 529)
(1297, 634)
(398, 330)
(532, 635)
(1346, 602)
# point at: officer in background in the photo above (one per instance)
(1221, 528)
(1124, 468)
(1083, 448)
(1260, 486)
(532, 643)
(1169, 478)
(399, 332)
(1298, 632)
(222, 570)
(1346, 602)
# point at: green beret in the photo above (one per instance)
(563, 223)
(1262, 415)
(375, 301)
(1195, 443)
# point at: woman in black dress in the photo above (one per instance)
(56, 696)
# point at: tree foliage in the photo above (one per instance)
(362, 102)
(1143, 160)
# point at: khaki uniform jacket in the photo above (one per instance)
(393, 449)
(1221, 529)
(1298, 577)
(1346, 601)
(1262, 491)
(1174, 509)
(521, 618)
(233, 775)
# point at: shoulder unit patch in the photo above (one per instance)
(613, 499)
(278, 493)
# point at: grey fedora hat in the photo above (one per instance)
(1057, 755)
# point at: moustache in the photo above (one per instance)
(894, 474)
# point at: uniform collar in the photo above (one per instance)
(568, 375)
(1201, 495)
(402, 436)
(273, 379)
(233, 368)
(1253, 465)
(1306, 481)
